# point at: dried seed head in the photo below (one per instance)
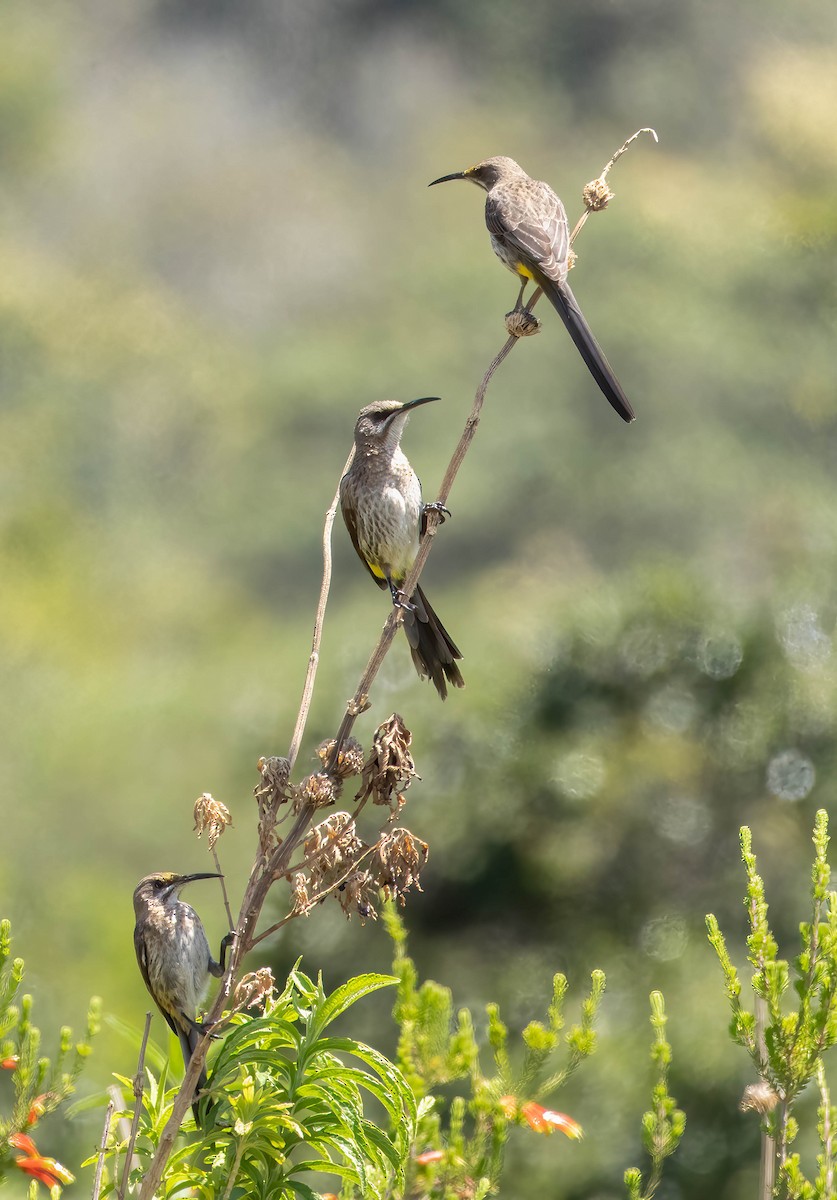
(389, 769)
(300, 900)
(397, 863)
(758, 1097)
(273, 791)
(357, 894)
(256, 987)
(349, 760)
(319, 790)
(212, 817)
(522, 323)
(332, 845)
(596, 195)
(275, 773)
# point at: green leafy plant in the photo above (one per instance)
(461, 1142)
(664, 1123)
(286, 1104)
(40, 1085)
(786, 1043)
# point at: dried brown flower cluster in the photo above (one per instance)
(522, 323)
(349, 760)
(389, 769)
(340, 863)
(273, 791)
(320, 790)
(255, 988)
(323, 788)
(332, 845)
(397, 863)
(333, 851)
(211, 817)
(596, 195)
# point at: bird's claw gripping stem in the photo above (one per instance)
(435, 506)
(400, 600)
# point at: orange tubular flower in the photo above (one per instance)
(545, 1120)
(429, 1156)
(37, 1109)
(45, 1170)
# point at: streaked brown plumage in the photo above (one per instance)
(529, 233)
(174, 956)
(381, 502)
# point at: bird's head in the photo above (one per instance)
(383, 421)
(162, 885)
(485, 174)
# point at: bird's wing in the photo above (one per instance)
(532, 220)
(142, 959)
(348, 511)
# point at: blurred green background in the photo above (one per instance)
(217, 244)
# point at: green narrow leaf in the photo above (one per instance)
(344, 997)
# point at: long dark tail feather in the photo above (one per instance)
(433, 649)
(565, 304)
(188, 1041)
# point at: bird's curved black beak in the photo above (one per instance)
(408, 404)
(447, 178)
(180, 881)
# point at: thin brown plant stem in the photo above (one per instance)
(624, 147)
(223, 886)
(103, 1145)
(319, 620)
(580, 223)
(827, 1132)
(767, 1164)
(139, 1083)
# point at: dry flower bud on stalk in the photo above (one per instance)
(349, 760)
(389, 769)
(320, 790)
(596, 195)
(332, 845)
(522, 323)
(273, 791)
(357, 894)
(300, 900)
(397, 862)
(758, 1097)
(211, 817)
(256, 987)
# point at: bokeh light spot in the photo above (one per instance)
(579, 776)
(791, 775)
(664, 938)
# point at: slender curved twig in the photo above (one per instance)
(139, 1081)
(103, 1145)
(319, 620)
